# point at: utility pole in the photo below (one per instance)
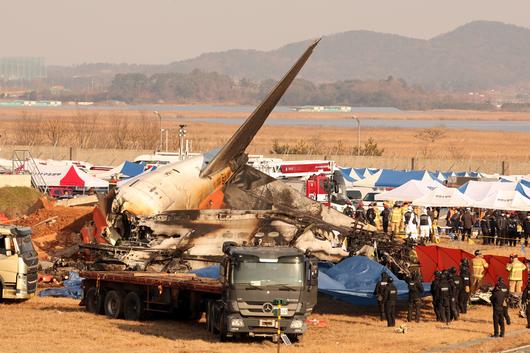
(182, 134)
(358, 135)
(160, 128)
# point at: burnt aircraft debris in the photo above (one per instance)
(166, 219)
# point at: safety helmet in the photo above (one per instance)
(477, 252)
(513, 255)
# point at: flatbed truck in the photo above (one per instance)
(241, 301)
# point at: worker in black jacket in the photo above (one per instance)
(379, 292)
(465, 276)
(434, 292)
(498, 298)
(526, 229)
(390, 297)
(525, 300)
(455, 288)
(443, 290)
(415, 295)
(504, 289)
(502, 229)
(485, 228)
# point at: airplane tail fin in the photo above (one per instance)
(246, 132)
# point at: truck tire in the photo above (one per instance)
(223, 337)
(113, 304)
(93, 302)
(133, 307)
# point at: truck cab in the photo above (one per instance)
(254, 278)
(18, 263)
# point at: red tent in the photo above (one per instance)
(434, 258)
(72, 179)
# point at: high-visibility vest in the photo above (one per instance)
(479, 266)
(396, 215)
(516, 269)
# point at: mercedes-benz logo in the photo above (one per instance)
(267, 308)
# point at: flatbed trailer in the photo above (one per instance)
(133, 294)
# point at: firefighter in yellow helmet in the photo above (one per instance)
(515, 278)
(478, 270)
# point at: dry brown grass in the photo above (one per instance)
(60, 325)
(139, 131)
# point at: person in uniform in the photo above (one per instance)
(434, 292)
(395, 218)
(485, 229)
(455, 282)
(465, 279)
(415, 296)
(385, 218)
(425, 226)
(515, 269)
(504, 289)
(478, 267)
(390, 297)
(498, 298)
(379, 292)
(444, 297)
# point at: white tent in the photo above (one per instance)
(69, 176)
(509, 200)
(443, 196)
(409, 191)
(479, 190)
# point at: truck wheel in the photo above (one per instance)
(222, 328)
(113, 304)
(133, 307)
(93, 301)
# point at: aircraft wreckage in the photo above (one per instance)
(167, 219)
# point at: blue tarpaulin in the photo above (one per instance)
(131, 169)
(353, 280)
(72, 288)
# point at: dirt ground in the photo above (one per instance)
(61, 232)
(60, 325)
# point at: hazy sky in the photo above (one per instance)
(161, 31)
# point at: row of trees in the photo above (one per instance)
(87, 130)
(199, 86)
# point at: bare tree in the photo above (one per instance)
(27, 130)
(119, 131)
(55, 129)
(84, 128)
(432, 134)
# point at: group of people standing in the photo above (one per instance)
(386, 295)
(417, 224)
(501, 228)
(451, 290)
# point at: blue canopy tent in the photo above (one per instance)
(394, 178)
